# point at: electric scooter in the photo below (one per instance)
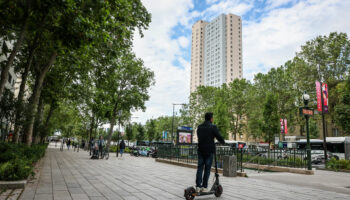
(216, 189)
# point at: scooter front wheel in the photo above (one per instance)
(218, 191)
(189, 193)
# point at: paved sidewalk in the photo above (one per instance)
(72, 175)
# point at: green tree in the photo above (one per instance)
(221, 114)
(201, 101)
(129, 133)
(314, 133)
(7, 108)
(140, 136)
(237, 105)
(270, 118)
(342, 109)
(151, 129)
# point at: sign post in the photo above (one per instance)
(307, 112)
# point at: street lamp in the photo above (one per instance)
(306, 99)
(172, 126)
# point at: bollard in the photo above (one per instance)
(230, 166)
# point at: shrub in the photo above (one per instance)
(17, 160)
(338, 164)
(15, 169)
(113, 148)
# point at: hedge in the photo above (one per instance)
(338, 164)
(17, 160)
(114, 149)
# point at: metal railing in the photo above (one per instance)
(276, 157)
(188, 154)
(279, 157)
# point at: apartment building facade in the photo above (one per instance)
(216, 54)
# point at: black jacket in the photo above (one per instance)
(206, 133)
(122, 145)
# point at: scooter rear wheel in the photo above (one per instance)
(218, 191)
(189, 193)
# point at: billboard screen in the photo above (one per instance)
(185, 137)
(318, 94)
(325, 97)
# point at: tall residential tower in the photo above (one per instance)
(216, 56)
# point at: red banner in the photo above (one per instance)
(318, 94)
(285, 127)
(325, 97)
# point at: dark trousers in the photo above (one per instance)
(204, 162)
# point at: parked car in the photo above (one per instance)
(317, 156)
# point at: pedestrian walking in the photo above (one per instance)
(122, 147)
(74, 145)
(62, 144)
(91, 144)
(206, 133)
(83, 144)
(101, 144)
(68, 144)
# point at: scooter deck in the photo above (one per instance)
(203, 193)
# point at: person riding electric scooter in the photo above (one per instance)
(206, 133)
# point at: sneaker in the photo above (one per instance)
(198, 189)
(204, 189)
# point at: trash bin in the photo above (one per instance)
(230, 166)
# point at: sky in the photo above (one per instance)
(272, 32)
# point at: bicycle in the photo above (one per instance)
(105, 153)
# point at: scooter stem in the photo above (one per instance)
(216, 167)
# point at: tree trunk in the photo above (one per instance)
(112, 123)
(19, 103)
(92, 125)
(52, 108)
(38, 121)
(2, 129)
(5, 70)
(33, 105)
(236, 128)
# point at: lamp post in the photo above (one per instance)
(172, 126)
(306, 99)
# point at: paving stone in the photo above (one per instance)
(43, 197)
(5, 193)
(72, 175)
(15, 194)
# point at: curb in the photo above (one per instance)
(278, 169)
(13, 184)
(333, 170)
(240, 174)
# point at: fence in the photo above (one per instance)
(188, 154)
(278, 157)
(285, 158)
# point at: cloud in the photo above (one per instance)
(159, 49)
(183, 41)
(211, 1)
(227, 6)
(276, 37)
(273, 30)
(271, 4)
